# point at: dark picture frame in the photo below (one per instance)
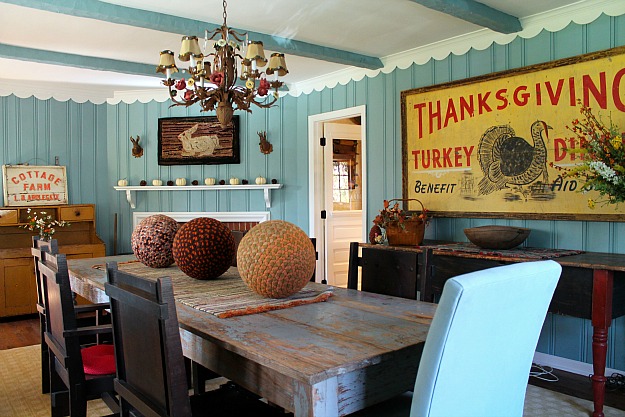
(198, 141)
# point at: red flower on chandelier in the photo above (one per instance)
(217, 78)
(181, 84)
(263, 88)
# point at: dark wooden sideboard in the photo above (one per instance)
(592, 285)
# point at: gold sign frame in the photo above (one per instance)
(452, 133)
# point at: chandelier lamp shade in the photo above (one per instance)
(213, 76)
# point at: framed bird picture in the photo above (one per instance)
(505, 144)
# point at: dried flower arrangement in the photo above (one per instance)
(43, 224)
(394, 219)
(602, 154)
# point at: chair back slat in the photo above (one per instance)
(39, 245)
(60, 315)
(151, 376)
(355, 262)
(313, 240)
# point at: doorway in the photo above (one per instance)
(337, 178)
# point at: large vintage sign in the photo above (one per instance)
(27, 185)
(485, 146)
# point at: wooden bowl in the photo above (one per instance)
(497, 237)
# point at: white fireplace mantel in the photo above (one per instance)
(222, 216)
(166, 188)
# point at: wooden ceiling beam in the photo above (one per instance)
(76, 61)
(475, 12)
(107, 12)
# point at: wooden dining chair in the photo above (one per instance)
(94, 312)
(77, 373)
(39, 246)
(151, 378)
(395, 272)
(479, 349)
(313, 240)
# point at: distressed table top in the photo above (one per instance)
(324, 359)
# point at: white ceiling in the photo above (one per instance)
(399, 33)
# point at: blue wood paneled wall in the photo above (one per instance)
(287, 163)
(36, 131)
(93, 141)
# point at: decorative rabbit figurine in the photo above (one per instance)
(265, 147)
(137, 150)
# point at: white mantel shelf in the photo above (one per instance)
(265, 187)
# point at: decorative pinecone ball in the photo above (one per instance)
(276, 259)
(203, 248)
(152, 240)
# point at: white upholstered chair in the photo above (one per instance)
(479, 349)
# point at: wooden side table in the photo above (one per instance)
(18, 291)
(592, 286)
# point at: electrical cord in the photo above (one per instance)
(544, 373)
(615, 382)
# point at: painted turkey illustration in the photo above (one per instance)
(508, 159)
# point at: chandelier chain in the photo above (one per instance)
(225, 14)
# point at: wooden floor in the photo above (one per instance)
(24, 331)
(20, 331)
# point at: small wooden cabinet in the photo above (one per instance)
(18, 292)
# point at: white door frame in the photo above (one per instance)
(315, 176)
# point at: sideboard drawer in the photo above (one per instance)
(8, 217)
(77, 213)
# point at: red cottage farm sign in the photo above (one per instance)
(26, 185)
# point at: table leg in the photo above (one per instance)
(318, 400)
(601, 320)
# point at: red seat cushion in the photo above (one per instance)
(98, 360)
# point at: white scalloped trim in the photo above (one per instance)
(583, 12)
(142, 96)
(57, 91)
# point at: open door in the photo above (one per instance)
(343, 196)
(337, 189)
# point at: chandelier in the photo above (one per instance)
(216, 85)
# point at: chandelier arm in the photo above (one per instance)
(243, 104)
(240, 36)
(264, 105)
(213, 33)
(173, 94)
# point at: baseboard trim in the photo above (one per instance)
(569, 365)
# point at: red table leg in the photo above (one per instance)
(601, 320)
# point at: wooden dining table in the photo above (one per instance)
(328, 359)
